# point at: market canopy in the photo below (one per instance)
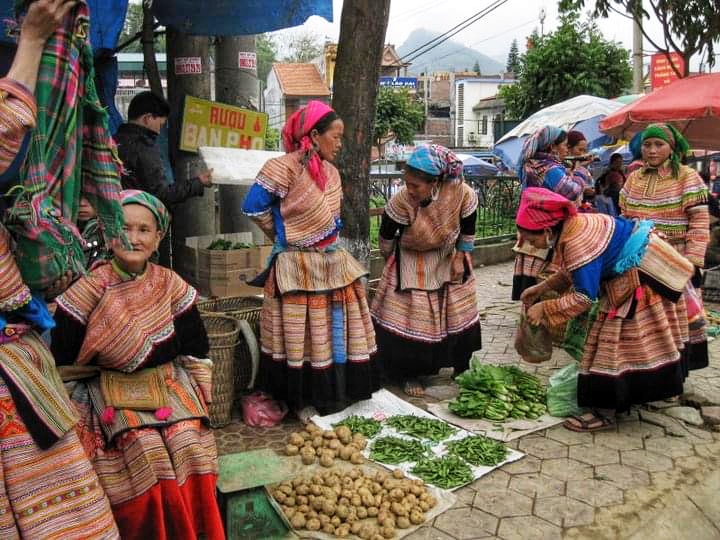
(692, 105)
(237, 17)
(582, 113)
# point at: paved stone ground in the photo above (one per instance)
(652, 476)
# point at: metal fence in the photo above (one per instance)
(498, 198)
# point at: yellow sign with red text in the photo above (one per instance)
(209, 123)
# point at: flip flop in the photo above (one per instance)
(414, 388)
(587, 424)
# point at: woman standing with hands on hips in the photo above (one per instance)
(317, 340)
(425, 309)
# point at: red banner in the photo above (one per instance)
(661, 70)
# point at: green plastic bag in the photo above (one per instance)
(562, 392)
(576, 332)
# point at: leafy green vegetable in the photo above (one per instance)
(421, 427)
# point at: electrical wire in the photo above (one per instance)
(430, 45)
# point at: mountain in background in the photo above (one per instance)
(448, 56)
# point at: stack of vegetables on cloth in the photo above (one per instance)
(633, 350)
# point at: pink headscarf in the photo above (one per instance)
(296, 136)
(541, 209)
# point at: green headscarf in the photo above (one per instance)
(672, 136)
(152, 203)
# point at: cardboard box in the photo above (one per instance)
(225, 260)
(228, 283)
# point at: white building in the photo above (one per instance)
(472, 125)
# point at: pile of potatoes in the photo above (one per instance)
(313, 443)
(336, 502)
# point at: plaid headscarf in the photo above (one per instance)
(152, 203)
(436, 160)
(541, 209)
(539, 141)
(296, 136)
(672, 136)
(71, 151)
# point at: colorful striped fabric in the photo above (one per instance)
(310, 214)
(71, 150)
(53, 493)
(316, 271)
(122, 331)
(677, 206)
(18, 112)
(13, 292)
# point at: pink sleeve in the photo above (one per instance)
(18, 113)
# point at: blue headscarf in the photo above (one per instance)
(539, 141)
(436, 160)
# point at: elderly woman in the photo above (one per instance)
(134, 348)
(675, 197)
(633, 350)
(317, 340)
(541, 166)
(425, 310)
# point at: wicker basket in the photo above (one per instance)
(223, 337)
(240, 308)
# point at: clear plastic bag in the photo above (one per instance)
(261, 410)
(562, 392)
(533, 343)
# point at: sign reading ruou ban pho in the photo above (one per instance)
(209, 123)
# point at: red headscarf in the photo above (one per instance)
(541, 209)
(296, 136)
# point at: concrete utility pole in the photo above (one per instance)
(637, 56)
(235, 86)
(186, 55)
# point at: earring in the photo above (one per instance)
(435, 192)
(316, 147)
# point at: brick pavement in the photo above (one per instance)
(650, 477)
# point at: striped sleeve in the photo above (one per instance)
(18, 114)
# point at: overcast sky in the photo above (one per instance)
(491, 35)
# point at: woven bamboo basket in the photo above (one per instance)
(223, 337)
(243, 309)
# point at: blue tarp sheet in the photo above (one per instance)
(237, 17)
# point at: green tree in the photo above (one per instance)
(272, 139)
(689, 26)
(132, 26)
(573, 60)
(266, 50)
(513, 59)
(302, 47)
(397, 114)
(476, 66)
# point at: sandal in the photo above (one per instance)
(596, 422)
(414, 388)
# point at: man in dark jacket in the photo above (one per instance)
(140, 154)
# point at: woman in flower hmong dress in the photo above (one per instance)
(48, 488)
(674, 197)
(317, 340)
(425, 309)
(541, 166)
(134, 350)
(633, 351)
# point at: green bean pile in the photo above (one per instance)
(394, 450)
(478, 450)
(445, 472)
(421, 427)
(360, 424)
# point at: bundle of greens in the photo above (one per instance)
(497, 393)
(421, 427)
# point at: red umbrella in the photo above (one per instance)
(692, 105)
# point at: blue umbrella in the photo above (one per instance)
(475, 166)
